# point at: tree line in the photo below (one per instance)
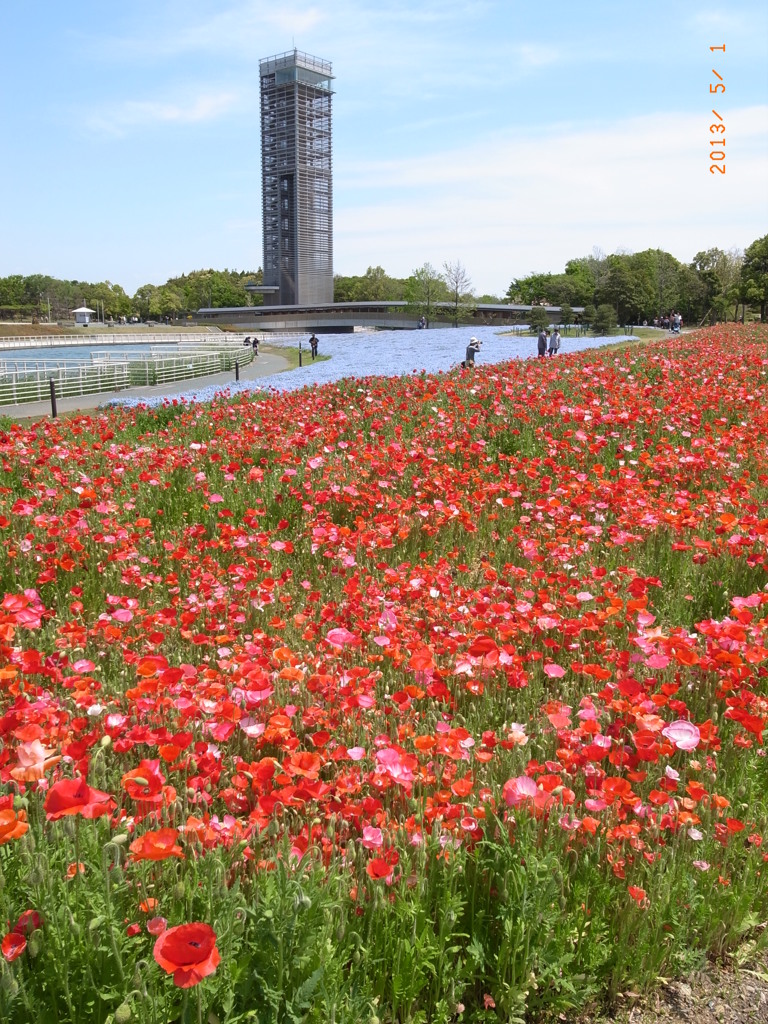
(39, 296)
(715, 286)
(625, 288)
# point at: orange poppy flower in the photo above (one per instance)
(13, 824)
(157, 845)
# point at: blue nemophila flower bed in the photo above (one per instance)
(385, 353)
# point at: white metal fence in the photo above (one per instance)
(97, 340)
(24, 381)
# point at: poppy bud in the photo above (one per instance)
(9, 985)
(106, 741)
(123, 1013)
(35, 877)
(179, 891)
(35, 943)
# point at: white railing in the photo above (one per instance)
(96, 340)
(27, 381)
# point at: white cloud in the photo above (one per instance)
(526, 201)
(132, 115)
(534, 56)
(721, 20)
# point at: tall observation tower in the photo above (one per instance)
(297, 179)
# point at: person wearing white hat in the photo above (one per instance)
(472, 349)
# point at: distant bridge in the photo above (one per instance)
(341, 317)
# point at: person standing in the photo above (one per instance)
(313, 345)
(554, 342)
(542, 343)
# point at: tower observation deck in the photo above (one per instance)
(297, 179)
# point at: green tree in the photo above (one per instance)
(142, 300)
(566, 314)
(375, 285)
(424, 288)
(538, 319)
(582, 281)
(605, 319)
(530, 290)
(589, 314)
(720, 273)
(754, 272)
(622, 287)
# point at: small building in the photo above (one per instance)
(83, 316)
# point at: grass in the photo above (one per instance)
(291, 355)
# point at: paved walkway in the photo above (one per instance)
(263, 365)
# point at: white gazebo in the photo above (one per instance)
(83, 315)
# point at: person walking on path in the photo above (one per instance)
(313, 344)
(554, 342)
(543, 343)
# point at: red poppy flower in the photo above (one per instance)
(75, 796)
(13, 945)
(638, 895)
(28, 922)
(145, 783)
(188, 952)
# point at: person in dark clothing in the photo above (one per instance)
(543, 343)
(313, 344)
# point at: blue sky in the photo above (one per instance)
(510, 136)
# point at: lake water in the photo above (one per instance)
(83, 354)
(385, 353)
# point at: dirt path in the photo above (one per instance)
(716, 995)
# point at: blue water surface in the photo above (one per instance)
(83, 354)
(382, 353)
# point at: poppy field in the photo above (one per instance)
(423, 699)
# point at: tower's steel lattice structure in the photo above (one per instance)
(297, 179)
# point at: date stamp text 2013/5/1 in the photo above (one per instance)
(717, 144)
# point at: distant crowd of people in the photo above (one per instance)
(673, 322)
